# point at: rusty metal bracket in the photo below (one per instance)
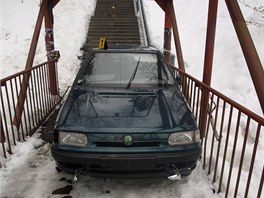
(208, 60)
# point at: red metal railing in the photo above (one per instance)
(38, 104)
(231, 152)
(231, 155)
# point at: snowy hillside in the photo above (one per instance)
(230, 72)
(19, 18)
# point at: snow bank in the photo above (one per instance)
(70, 28)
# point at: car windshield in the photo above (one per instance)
(126, 70)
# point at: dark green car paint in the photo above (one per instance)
(121, 122)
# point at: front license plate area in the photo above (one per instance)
(128, 164)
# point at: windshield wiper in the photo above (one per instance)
(133, 75)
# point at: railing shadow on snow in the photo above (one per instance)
(231, 155)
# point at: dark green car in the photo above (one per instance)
(125, 115)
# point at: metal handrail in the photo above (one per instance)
(39, 103)
(223, 97)
(141, 11)
(229, 127)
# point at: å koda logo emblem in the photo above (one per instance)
(128, 140)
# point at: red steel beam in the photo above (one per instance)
(49, 38)
(34, 41)
(167, 38)
(208, 61)
(210, 41)
(53, 3)
(248, 48)
(176, 35)
(32, 51)
(168, 8)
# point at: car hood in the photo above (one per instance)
(119, 110)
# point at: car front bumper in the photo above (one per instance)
(127, 165)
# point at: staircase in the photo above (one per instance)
(116, 21)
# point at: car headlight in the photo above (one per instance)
(71, 138)
(186, 137)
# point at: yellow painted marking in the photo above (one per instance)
(102, 43)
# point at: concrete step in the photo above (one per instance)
(107, 2)
(114, 40)
(110, 46)
(112, 30)
(104, 26)
(120, 12)
(115, 7)
(116, 21)
(119, 7)
(114, 15)
(129, 12)
(114, 25)
(121, 2)
(111, 34)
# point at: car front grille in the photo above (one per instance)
(121, 144)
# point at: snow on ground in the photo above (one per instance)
(30, 172)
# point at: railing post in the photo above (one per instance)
(25, 82)
(24, 85)
(1, 123)
(2, 137)
(208, 61)
(167, 38)
(176, 35)
(248, 48)
(49, 38)
(168, 8)
(34, 41)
